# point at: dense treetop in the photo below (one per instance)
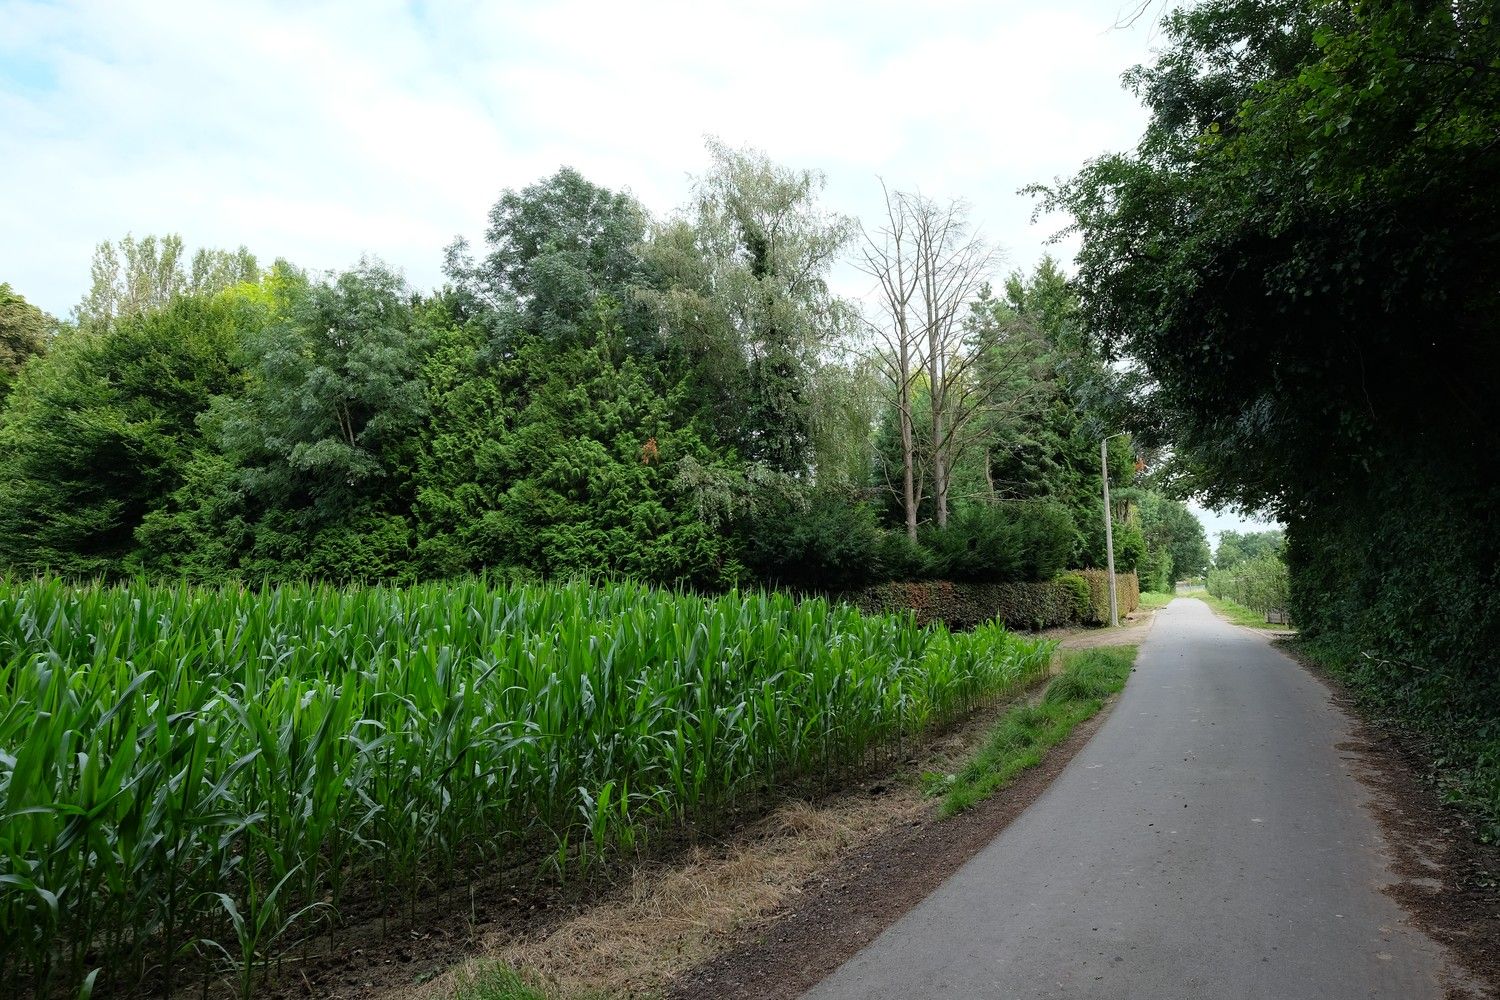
(594, 393)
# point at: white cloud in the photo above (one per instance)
(321, 132)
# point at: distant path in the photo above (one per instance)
(1210, 842)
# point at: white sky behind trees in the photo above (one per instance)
(320, 132)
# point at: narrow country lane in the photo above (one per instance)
(1210, 842)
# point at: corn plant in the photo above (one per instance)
(195, 772)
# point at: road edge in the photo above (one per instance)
(867, 891)
(1444, 880)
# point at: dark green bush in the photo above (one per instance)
(1398, 591)
(823, 540)
(902, 558)
(1002, 542)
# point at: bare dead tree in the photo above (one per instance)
(889, 255)
(953, 264)
(929, 265)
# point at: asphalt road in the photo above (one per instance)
(1211, 841)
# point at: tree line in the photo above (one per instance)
(592, 392)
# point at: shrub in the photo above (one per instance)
(1002, 542)
(1064, 600)
(823, 540)
(1259, 584)
(1082, 597)
(902, 558)
(1127, 589)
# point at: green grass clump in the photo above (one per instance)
(1023, 735)
(496, 982)
(1236, 612)
(1151, 599)
(201, 772)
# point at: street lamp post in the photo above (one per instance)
(1109, 531)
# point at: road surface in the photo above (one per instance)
(1211, 841)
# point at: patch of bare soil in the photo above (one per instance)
(1132, 632)
(1446, 879)
(668, 916)
(865, 891)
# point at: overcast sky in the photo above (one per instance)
(323, 131)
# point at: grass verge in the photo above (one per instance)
(1154, 601)
(1023, 735)
(1236, 612)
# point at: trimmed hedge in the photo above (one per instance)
(1127, 586)
(1072, 598)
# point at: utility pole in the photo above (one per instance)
(1109, 532)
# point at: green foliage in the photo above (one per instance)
(1300, 255)
(307, 471)
(1397, 593)
(1130, 546)
(591, 485)
(903, 558)
(1079, 593)
(596, 395)
(823, 540)
(151, 275)
(1175, 541)
(1024, 734)
(1127, 594)
(555, 250)
(24, 333)
(1236, 547)
(763, 251)
(232, 770)
(984, 542)
(1259, 584)
(1155, 571)
(100, 430)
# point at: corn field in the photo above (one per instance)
(194, 781)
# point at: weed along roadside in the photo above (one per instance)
(1026, 732)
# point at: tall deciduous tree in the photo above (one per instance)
(336, 399)
(767, 248)
(930, 266)
(1301, 253)
(888, 254)
(953, 265)
(134, 276)
(553, 249)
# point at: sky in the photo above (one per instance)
(322, 132)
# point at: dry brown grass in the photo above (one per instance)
(668, 916)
